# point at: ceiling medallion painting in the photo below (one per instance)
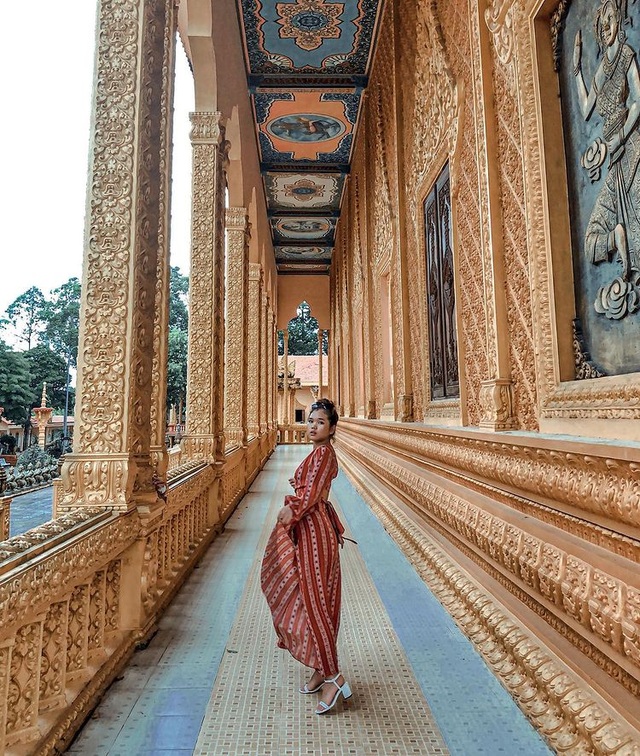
(309, 22)
(308, 36)
(304, 268)
(302, 254)
(303, 229)
(307, 67)
(306, 125)
(300, 191)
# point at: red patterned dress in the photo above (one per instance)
(300, 574)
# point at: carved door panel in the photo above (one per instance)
(443, 342)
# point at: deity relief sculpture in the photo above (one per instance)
(614, 224)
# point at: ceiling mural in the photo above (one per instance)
(308, 37)
(307, 66)
(305, 126)
(304, 254)
(312, 230)
(304, 191)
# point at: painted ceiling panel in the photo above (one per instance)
(306, 126)
(304, 191)
(311, 230)
(307, 66)
(303, 254)
(308, 36)
(303, 268)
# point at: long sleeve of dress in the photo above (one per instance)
(321, 471)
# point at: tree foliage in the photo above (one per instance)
(47, 366)
(15, 388)
(178, 290)
(303, 334)
(178, 338)
(28, 315)
(63, 320)
(177, 367)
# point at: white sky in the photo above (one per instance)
(46, 60)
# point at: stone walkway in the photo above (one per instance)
(31, 509)
(212, 681)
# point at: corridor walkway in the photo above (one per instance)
(212, 681)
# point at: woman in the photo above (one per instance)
(301, 567)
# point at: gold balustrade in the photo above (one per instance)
(79, 593)
(292, 434)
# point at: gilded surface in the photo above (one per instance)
(161, 319)
(205, 379)
(253, 352)
(112, 440)
(567, 712)
(584, 603)
(236, 342)
(22, 698)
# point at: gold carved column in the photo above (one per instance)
(163, 274)
(496, 393)
(253, 352)
(236, 326)
(204, 438)
(264, 311)
(285, 385)
(404, 378)
(320, 376)
(271, 369)
(111, 465)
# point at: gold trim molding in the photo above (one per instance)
(566, 712)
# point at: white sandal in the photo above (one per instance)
(343, 690)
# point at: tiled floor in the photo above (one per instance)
(212, 681)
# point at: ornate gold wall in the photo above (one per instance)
(530, 538)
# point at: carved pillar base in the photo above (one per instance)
(372, 410)
(120, 482)
(199, 447)
(496, 402)
(160, 460)
(405, 408)
(234, 438)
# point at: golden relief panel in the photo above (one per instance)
(429, 122)
(236, 326)
(601, 604)
(206, 338)
(253, 364)
(500, 19)
(161, 320)
(469, 203)
(564, 708)
(100, 416)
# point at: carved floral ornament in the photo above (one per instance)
(557, 701)
(499, 20)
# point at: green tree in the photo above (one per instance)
(47, 365)
(178, 290)
(28, 315)
(303, 334)
(15, 389)
(63, 320)
(178, 338)
(177, 367)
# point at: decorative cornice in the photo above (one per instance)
(236, 218)
(547, 690)
(601, 479)
(206, 128)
